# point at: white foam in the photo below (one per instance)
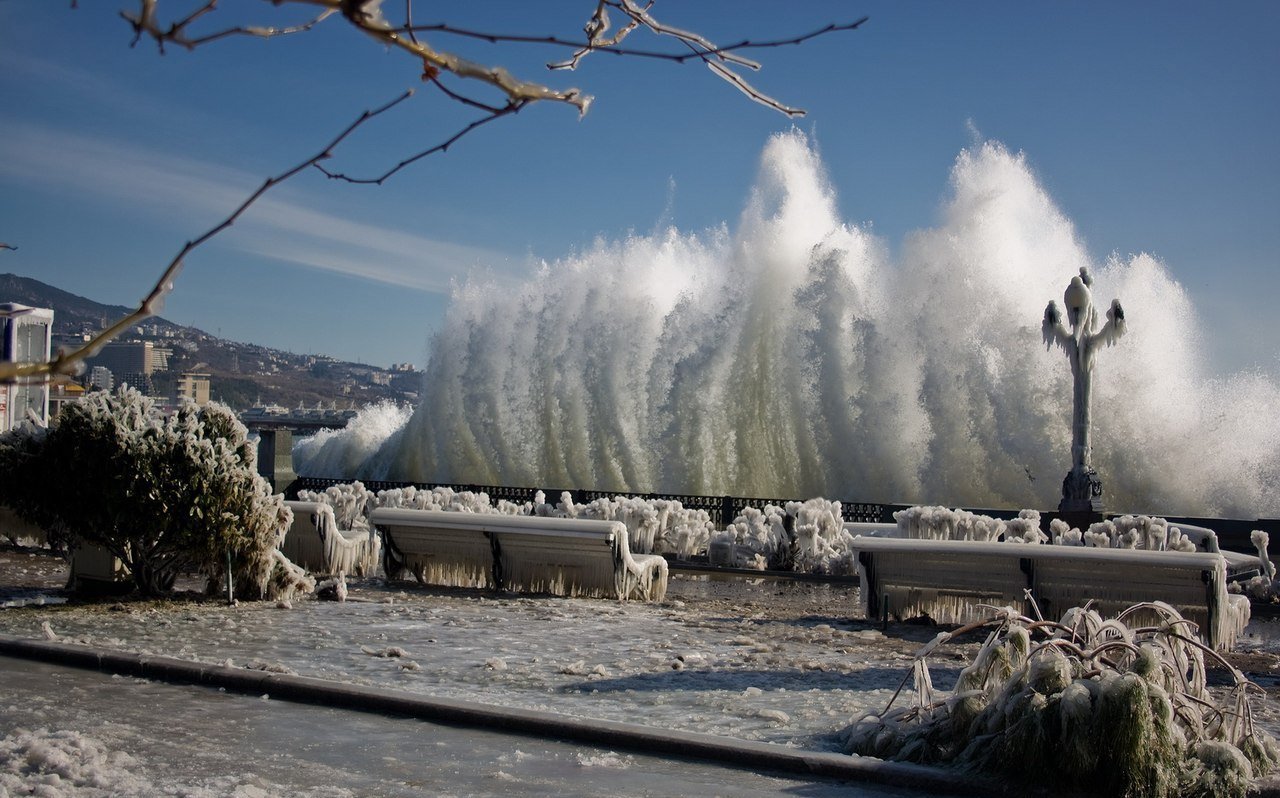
(794, 356)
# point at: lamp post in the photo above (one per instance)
(1082, 487)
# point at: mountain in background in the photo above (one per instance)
(71, 312)
(241, 375)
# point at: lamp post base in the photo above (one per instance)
(1081, 492)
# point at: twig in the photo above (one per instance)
(492, 114)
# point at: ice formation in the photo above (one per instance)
(64, 763)
(822, 545)
(1263, 587)
(795, 354)
(318, 542)
(1148, 533)
(661, 526)
(809, 537)
(1106, 707)
(758, 538)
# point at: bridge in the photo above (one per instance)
(300, 419)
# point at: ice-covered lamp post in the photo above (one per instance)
(1082, 487)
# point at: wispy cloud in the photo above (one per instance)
(280, 226)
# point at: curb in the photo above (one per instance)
(745, 754)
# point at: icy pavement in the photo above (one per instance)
(777, 662)
(66, 732)
(780, 662)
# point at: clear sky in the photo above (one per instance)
(1154, 127)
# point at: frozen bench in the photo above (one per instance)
(950, 581)
(315, 542)
(563, 556)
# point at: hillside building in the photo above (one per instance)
(194, 386)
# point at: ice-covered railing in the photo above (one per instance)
(1142, 532)
(351, 504)
(658, 526)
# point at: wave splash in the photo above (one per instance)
(795, 356)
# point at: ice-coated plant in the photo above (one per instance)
(1088, 704)
(164, 494)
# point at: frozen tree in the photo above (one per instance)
(191, 24)
(164, 494)
(1107, 707)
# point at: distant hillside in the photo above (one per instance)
(241, 374)
(70, 311)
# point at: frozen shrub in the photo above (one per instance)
(1085, 704)
(164, 494)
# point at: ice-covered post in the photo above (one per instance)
(1082, 488)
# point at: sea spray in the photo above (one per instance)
(795, 356)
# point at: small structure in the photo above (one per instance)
(25, 337)
(1082, 487)
(275, 458)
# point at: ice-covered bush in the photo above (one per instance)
(654, 526)
(1084, 704)
(822, 545)
(756, 538)
(941, 523)
(164, 494)
(802, 536)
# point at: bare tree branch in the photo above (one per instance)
(144, 22)
(366, 16)
(492, 113)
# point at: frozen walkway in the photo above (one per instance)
(119, 736)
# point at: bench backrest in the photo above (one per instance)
(948, 579)
(567, 556)
(304, 542)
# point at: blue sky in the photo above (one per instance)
(1153, 126)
